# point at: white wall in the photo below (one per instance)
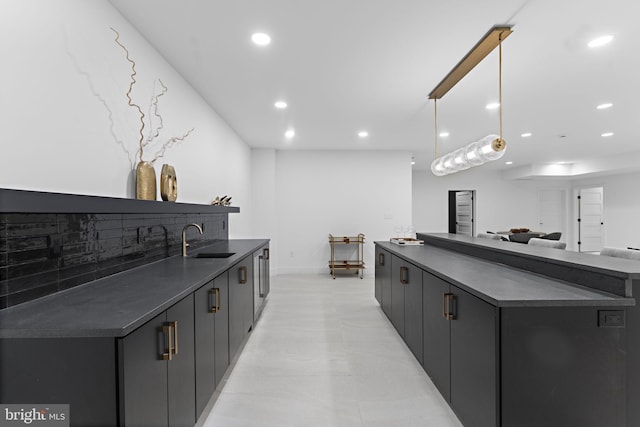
(500, 204)
(337, 192)
(66, 123)
(263, 186)
(514, 203)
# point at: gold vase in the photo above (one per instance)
(168, 183)
(145, 181)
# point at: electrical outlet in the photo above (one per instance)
(611, 318)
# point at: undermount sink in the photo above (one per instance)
(214, 254)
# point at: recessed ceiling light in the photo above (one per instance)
(444, 134)
(604, 106)
(526, 134)
(363, 134)
(600, 41)
(607, 134)
(508, 163)
(281, 105)
(290, 133)
(493, 105)
(261, 39)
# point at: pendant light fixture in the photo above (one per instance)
(489, 148)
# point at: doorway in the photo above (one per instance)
(552, 215)
(462, 212)
(590, 209)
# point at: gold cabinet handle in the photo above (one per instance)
(447, 303)
(404, 275)
(381, 259)
(242, 272)
(444, 305)
(168, 329)
(215, 294)
(175, 337)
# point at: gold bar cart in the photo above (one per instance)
(347, 264)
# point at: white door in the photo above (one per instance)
(464, 213)
(590, 219)
(551, 211)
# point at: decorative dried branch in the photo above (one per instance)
(170, 143)
(130, 101)
(142, 143)
(154, 104)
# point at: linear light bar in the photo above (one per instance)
(490, 41)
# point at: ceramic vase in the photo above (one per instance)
(145, 181)
(168, 183)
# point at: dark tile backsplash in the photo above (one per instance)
(42, 253)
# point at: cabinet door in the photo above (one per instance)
(413, 335)
(383, 280)
(204, 305)
(398, 276)
(436, 343)
(143, 374)
(248, 294)
(181, 369)
(240, 303)
(221, 327)
(75, 371)
(474, 387)
(565, 366)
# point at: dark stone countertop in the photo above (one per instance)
(501, 285)
(116, 305)
(614, 266)
(602, 273)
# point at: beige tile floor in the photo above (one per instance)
(324, 354)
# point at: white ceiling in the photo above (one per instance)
(350, 65)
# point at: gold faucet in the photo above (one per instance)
(184, 236)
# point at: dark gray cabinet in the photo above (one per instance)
(76, 371)
(460, 353)
(436, 341)
(406, 303)
(157, 370)
(211, 317)
(383, 280)
(240, 303)
(550, 350)
(221, 326)
(474, 361)
(397, 294)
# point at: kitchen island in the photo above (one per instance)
(516, 336)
